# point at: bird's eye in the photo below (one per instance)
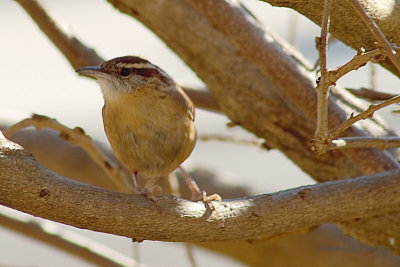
(125, 72)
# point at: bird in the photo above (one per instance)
(148, 119)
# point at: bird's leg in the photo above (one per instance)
(198, 194)
(135, 181)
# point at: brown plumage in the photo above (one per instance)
(147, 118)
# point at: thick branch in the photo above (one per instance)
(48, 147)
(27, 186)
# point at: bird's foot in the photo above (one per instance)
(198, 195)
(149, 192)
(202, 196)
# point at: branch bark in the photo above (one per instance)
(67, 160)
(44, 193)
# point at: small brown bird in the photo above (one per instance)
(148, 119)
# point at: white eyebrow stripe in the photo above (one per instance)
(142, 65)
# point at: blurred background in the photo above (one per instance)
(36, 78)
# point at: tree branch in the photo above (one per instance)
(119, 175)
(48, 147)
(27, 186)
(323, 137)
(370, 23)
(358, 61)
(346, 24)
(321, 130)
(362, 116)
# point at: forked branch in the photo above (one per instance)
(119, 175)
(323, 138)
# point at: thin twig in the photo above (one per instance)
(323, 40)
(331, 40)
(370, 23)
(323, 85)
(117, 173)
(359, 60)
(361, 116)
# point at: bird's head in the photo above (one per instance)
(125, 75)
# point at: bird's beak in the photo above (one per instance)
(93, 71)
